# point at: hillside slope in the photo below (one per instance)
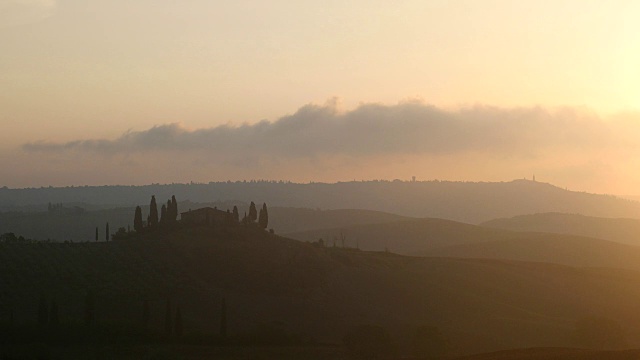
(621, 230)
(552, 248)
(288, 220)
(556, 354)
(80, 226)
(480, 305)
(409, 237)
(437, 237)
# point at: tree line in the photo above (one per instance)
(167, 219)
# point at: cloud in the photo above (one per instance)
(568, 147)
(21, 12)
(370, 130)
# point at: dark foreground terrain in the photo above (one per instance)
(284, 294)
(557, 354)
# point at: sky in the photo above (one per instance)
(155, 91)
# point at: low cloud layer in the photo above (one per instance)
(370, 130)
(567, 147)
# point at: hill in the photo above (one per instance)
(63, 226)
(470, 202)
(77, 224)
(315, 292)
(621, 230)
(556, 354)
(552, 248)
(408, 237)
(288, 220)
(445, 238)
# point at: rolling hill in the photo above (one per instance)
(556, 354)
(80, 225)
(288, 220)
(470, 202)
(480, 305)
(551, 248)
(445, 238)
(408, 237)
(622, 230)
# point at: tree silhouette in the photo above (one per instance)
(90, 308)
(107, 232)
(174, 209)
(253, 213)
(263, 220)
(178, 322)
(43, 313)
(96, 233)
(54, 318)
(145, 314)
(163, 214)
(153, 213)
(137, 220)
(167, 319)
(236, 214)
(223, 318)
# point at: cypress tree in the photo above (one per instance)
(253, 213)
(137, 220)
(236, 214)
(223, 318)
(43, 313)
(163, 214)
(264, 216)
(153, 213)
(174, 209)
(90, 309)
(96, 233)
(107, 233)
(145, 314)
(167, 319)
(54, 319)
(178, 322)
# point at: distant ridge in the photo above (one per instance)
(446, 238)
(622, 230)
(470, 202)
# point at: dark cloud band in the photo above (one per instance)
(369, 130)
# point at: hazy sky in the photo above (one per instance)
(139, 91)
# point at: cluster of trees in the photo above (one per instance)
(59, 208)
(168, 215)
(167, 218)
(107, 235)
(11, 238)
(262, 218)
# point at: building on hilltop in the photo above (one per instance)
(206, 216)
